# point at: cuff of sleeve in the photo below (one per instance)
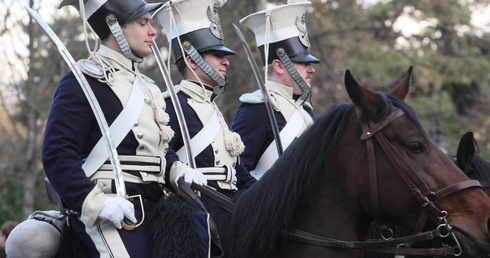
(174, 172)
(91, 207)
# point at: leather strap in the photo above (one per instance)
(222, 199)
(194, 54)
(189, 193)
(283, 56)
(381, 246)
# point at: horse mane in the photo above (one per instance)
(265, 211)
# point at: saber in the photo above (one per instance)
(176, 104)
(94, 104)
(263, 89)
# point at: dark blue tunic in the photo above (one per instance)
(206, 157)
(71, 133)
(252, 123)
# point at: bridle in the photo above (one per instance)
(420, 190)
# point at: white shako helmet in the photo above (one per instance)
(106, 16)
(194, 27)
(283, 30)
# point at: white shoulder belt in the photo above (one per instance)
(118, 129)
(202, 139)
(287, 134)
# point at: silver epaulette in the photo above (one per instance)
(91, 68)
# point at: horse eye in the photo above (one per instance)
(415, 146)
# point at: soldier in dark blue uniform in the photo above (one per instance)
(194, 32)
(289, 67)
(74, 153)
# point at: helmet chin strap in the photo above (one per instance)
(283, 56)
(205, 67)
(116, 30)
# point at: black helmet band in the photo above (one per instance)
(125, 11)
(296, 51)
(202, 40)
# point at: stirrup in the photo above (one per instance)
(128, 225)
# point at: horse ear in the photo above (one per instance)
(363, 98)
(466, 151)
(475, 144)
(401, 90)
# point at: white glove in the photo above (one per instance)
(191, 175)
(115, 209)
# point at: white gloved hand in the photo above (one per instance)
(191, 175)
(115, 209)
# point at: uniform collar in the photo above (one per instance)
(197, 90)
(120, 61)
(281, 89)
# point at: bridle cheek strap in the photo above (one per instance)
(368, 130)
(419, 188)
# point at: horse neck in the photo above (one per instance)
(332, 215)
(317, 219)
(333, 212)
(340, 195)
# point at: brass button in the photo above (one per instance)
(280, 52)
(110, 19)
(186, 45)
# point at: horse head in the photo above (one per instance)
(362, 161)
(410, 180)
(470, 162)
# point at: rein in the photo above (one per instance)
(417, 185)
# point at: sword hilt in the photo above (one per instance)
(129, 225)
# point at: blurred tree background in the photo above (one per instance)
(377, 40)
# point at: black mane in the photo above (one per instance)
(266, 209)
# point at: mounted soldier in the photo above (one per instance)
(193, 30)
(284, 47)
(110, 179)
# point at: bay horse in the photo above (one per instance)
(370, 159)
(467, 158)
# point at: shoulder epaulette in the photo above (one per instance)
(166, 94)
(252, 98)
(91, 68)
(148, 79)
(307, 106)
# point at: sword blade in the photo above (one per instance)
(94, 104)
(263, 89)
(175, 103)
